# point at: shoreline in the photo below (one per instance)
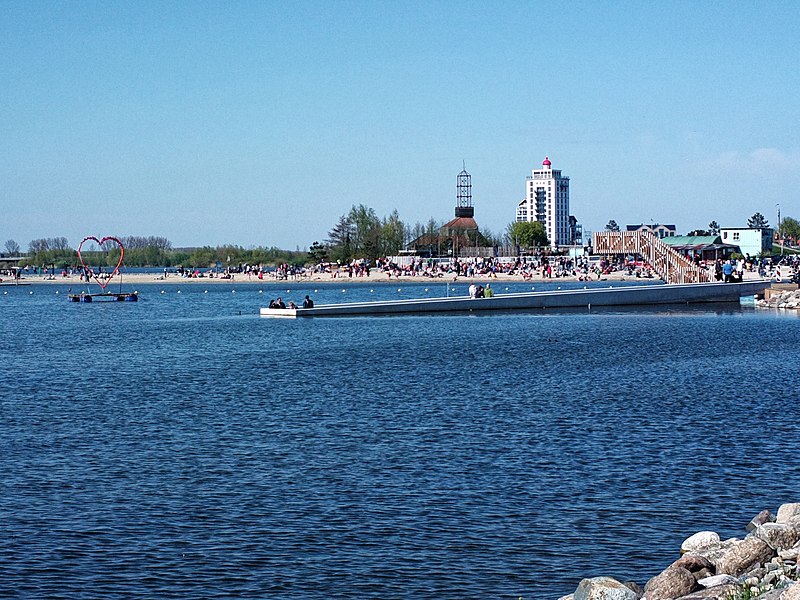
(374, 277)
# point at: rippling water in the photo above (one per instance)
(183, 447)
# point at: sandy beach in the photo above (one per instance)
(375, 276)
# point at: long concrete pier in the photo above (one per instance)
(643, 295)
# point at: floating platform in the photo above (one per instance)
(640, 295)
(106, 297)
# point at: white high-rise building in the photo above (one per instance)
(547, 201)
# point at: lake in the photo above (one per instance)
(183, 447)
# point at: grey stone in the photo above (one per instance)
(603, 588)
(779, 535)
(721, 592)
(671, 583)
(763, 517)
(715, 580)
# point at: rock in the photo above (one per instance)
(741, 556)
(714, 581)
(791, 554)
(671, 583)
(721, 592)
(694, 563)
(779, 535)
(763, 517)
(791, 593)
(603, 588)
(787, 511)
(700, 540)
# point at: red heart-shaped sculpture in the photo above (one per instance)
(86, 269)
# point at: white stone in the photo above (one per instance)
(716, 580)
(700, 540)
(787, 511)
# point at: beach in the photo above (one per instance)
(375, 276)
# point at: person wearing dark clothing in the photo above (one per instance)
(308, 303)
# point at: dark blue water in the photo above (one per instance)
(183, 447)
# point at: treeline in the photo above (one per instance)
(362, 234)
(155, 252)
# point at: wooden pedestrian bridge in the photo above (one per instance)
(668, 263)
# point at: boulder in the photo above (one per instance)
(763, 517)
(779, 535)
(742, 555)
(697, 565)
(700, 540)
(788, 511)
(671, 583)
(791, 593)
(721, 592)
(603, 588)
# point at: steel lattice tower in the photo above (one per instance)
(464, 206)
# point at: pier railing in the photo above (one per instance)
(669, 264)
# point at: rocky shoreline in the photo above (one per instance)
(785, 299)
(763, 565)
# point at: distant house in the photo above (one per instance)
(751, 242)
(701, 247)
(660, 231)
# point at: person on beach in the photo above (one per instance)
(308, 303)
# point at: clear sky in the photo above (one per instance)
(260, 123)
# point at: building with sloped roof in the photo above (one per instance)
(701, 247)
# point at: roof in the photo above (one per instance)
(649, 226)
(692, 240)
(460, 223)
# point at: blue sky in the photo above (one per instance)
(260, 123)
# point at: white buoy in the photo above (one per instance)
(179, 291)
(205, 291)
(56, 292)
(399, 290)
(163, 292)
(426, 289)
(260, 291)
(344, 291)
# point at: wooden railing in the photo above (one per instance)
(669, 264)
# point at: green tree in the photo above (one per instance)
(713, 228)
(317, 253)
(790, 229)
(393, 234)
(612, 226)
(757, 221)
(340, 240)
(527, 233)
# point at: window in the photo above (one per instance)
(735, 236)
